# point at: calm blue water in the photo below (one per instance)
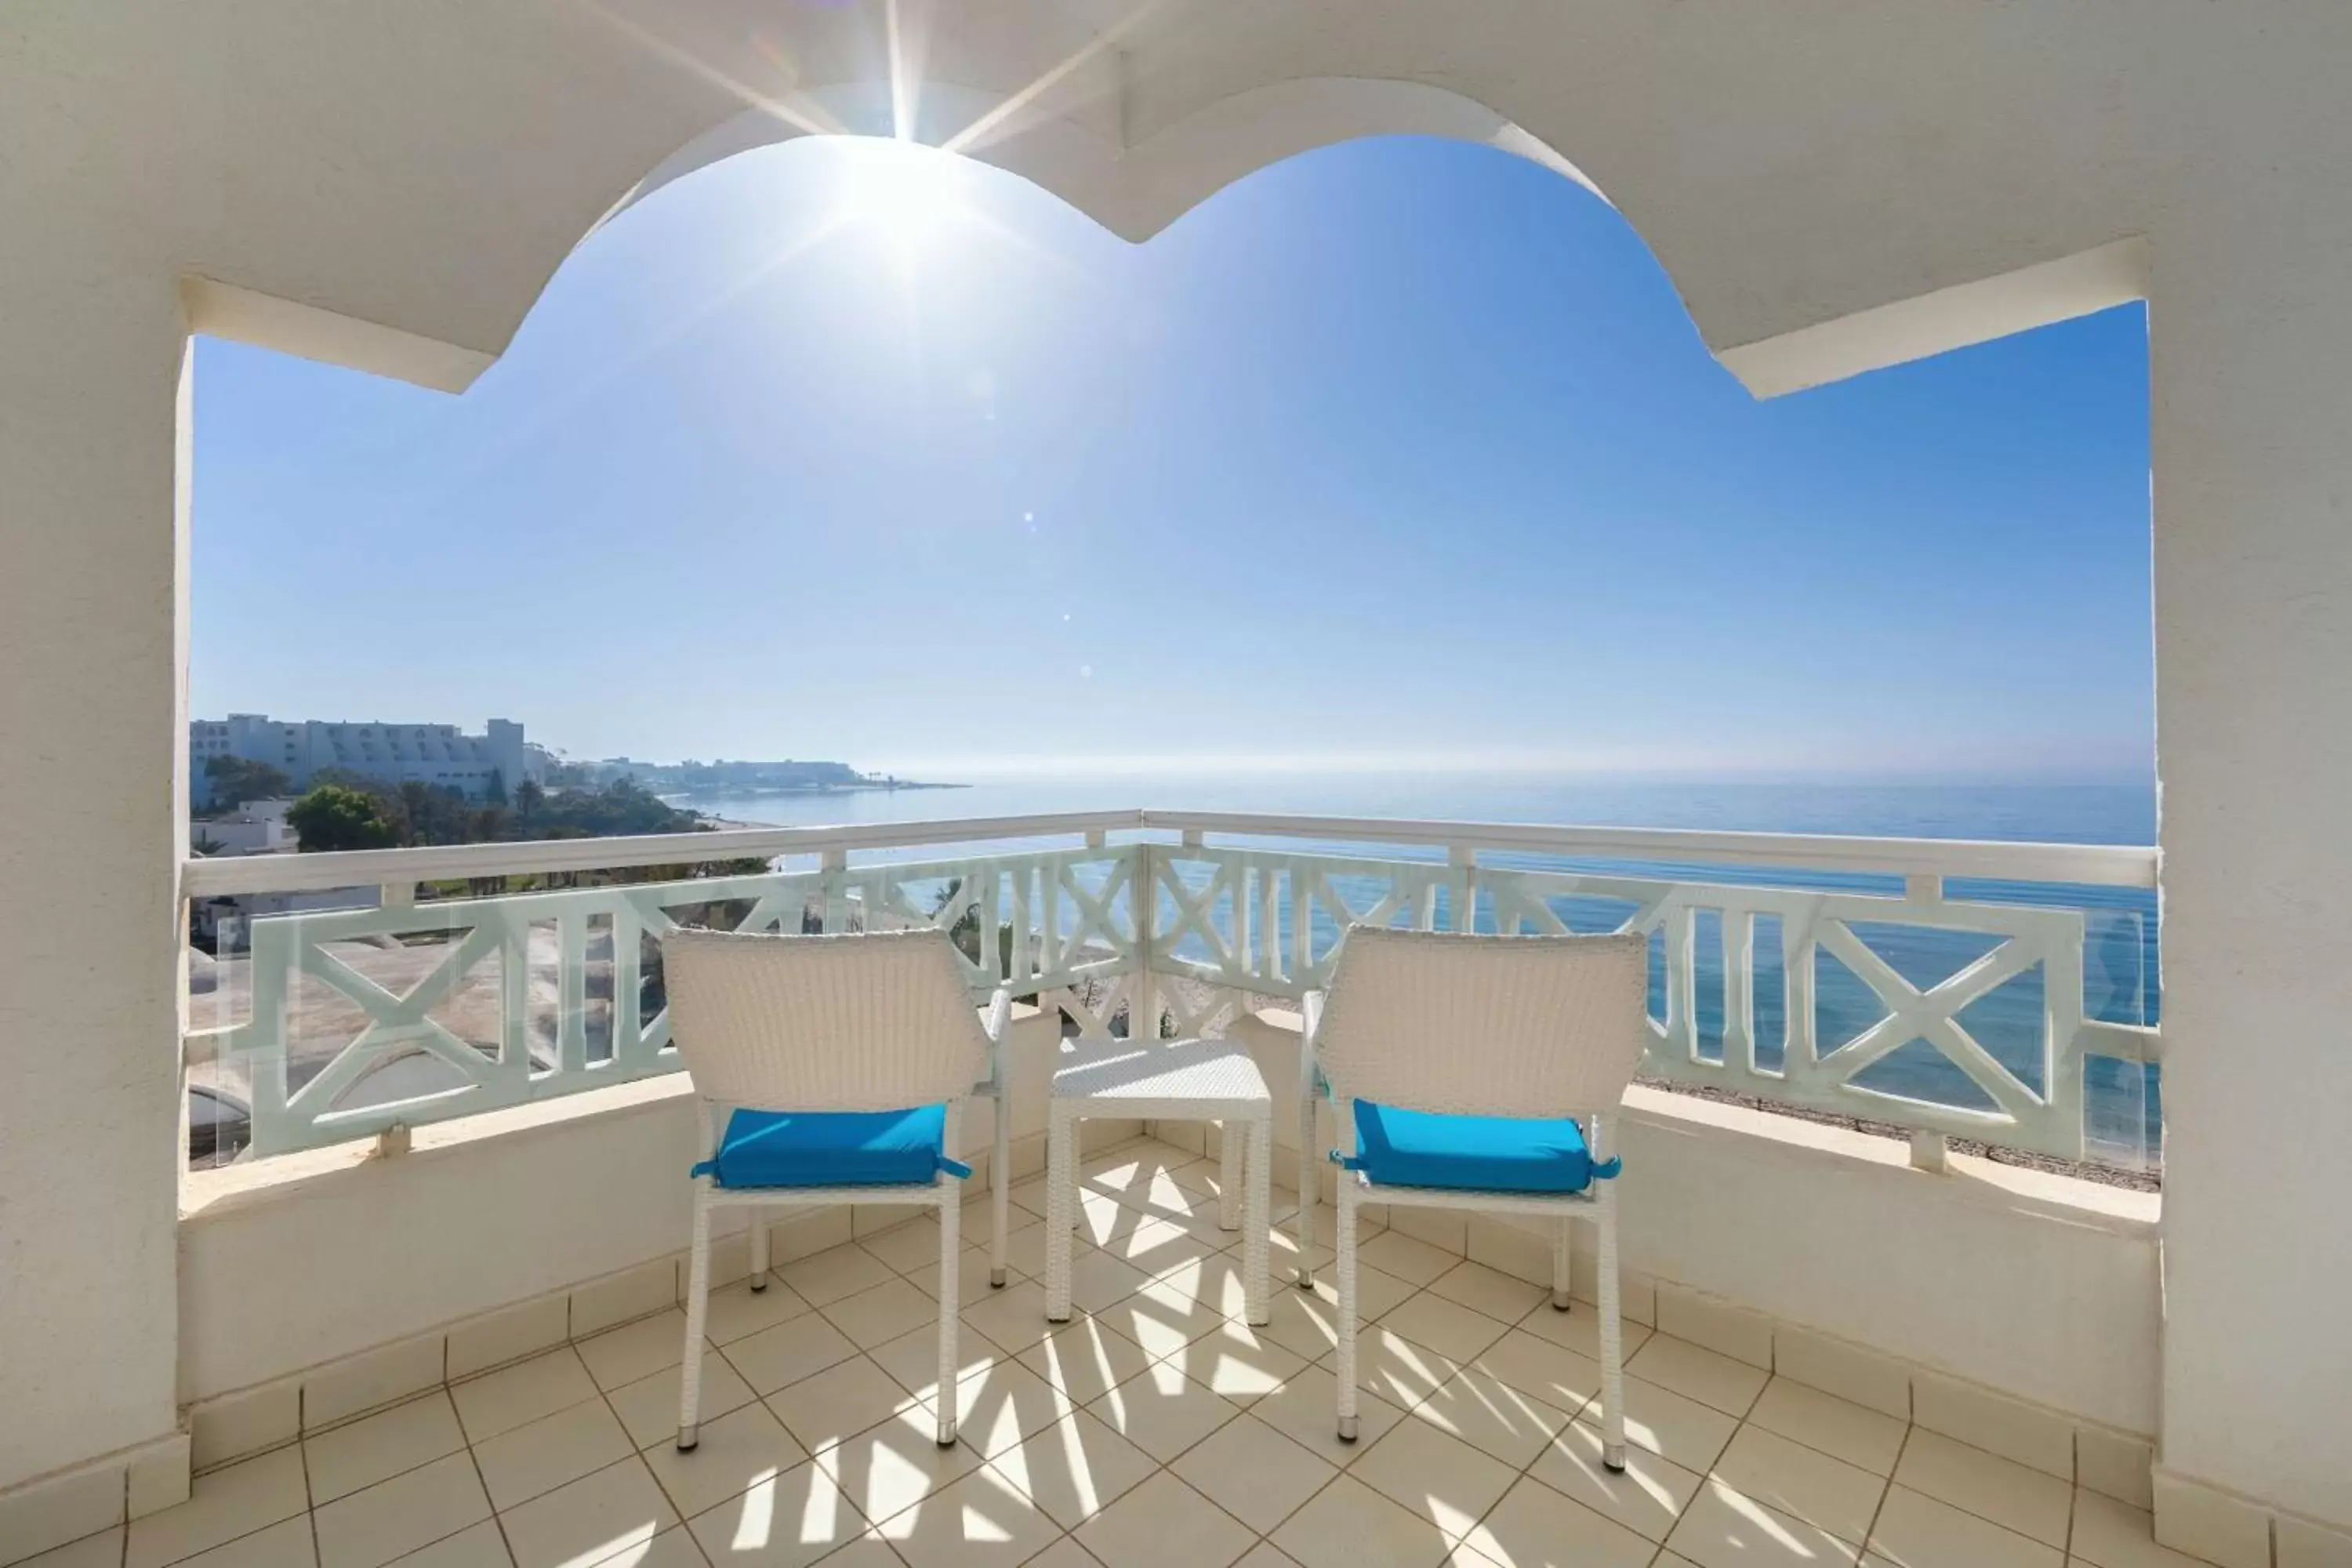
(2120, 969)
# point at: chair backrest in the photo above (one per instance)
(878, 1022)
(1486, 1026)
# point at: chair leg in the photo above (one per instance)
(697, 1315)
(758, 1248)
(1000, 1184)
(951, 1248)
(1061, 1172)
(1346, 1367)
(1612, 1350)
(1562, 1264)
(1257, 1182)
(1309, 1176)
(1230, 1135)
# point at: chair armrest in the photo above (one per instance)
(1311, 1012)
(1000, 1010)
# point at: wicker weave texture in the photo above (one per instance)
(874, 1022)
(1486, 1026)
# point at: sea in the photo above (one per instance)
(2121, 975)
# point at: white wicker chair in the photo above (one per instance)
(815, 1027)
(1529, 1029)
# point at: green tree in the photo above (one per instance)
(236, 780)
(337, 816)
(528, 799)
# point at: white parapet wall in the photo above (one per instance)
(306, 1261)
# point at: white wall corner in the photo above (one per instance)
(2206, 1521)
(225, 310)
(1943, 320)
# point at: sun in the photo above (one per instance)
(903, 194)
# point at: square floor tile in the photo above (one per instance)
(1695, 1373)
(823, 1278)
(1440, 1478)
(286, 1544)
(1306, 1410)
(1164, 1316)
(1492, 1416)
(773, 1358)
(543, 1454)
(1915, 1530)
(1646, 1496)
(1534, 1527)
(2013, 1495)
(1683, 1430)
(1550, 1373)
(1157, 1246)
(1579, 1331)
(844, 1399)
(1254, 1472)
(785, 1522)
(1238, 1362)
(1074, 1469)
(1163, 1412)
(1068, 1554)
(1446, 1327)
(891, 1468)
(883, 1312)
(909, 1247)
(1304, 1322)
(1414, 1262)
(1504, 1296)
(503, 1399)
(1164, 1524)
(482, 1545)
(737, 1309)
(981, 1519)
(103, 1549)
(1004, 1404)
(913, 1360)
(1838, 1427)
(224, 1504)
(371, 1528)
(971, 1279)
(1801, 1482)
(1012, 1319)
(648, 1407)
(1099, 1278)
(1085, 1360)
(1349, 1525)
(1722, 1529)
(1396, 1369)
(731, 1456)
(618, 1357)
(615, 1510)
(343, 1459)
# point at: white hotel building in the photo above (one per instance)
(426, 754)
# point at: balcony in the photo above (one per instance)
(463, 1179)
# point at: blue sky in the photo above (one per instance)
(1401, 454)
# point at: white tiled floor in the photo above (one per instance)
(1157, 1430)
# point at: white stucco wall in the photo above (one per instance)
(390, 185)
(1820, 1229)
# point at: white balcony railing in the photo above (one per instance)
(1998, 992)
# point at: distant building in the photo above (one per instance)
(398, 753)
(256, 827)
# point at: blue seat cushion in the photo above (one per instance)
(832, 1149)
(1484, 1154)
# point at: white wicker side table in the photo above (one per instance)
(1165, 1080)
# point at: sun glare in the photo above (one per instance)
(904, 194)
